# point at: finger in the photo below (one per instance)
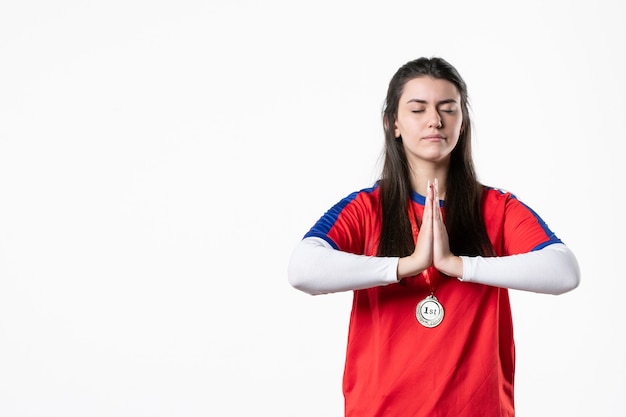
(439, 231)
(426, 228)
(427, 221)
(427, 202)
(436, 209)
(431, 189)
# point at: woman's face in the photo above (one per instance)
(429, 119)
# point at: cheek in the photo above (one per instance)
(457, 126)
(408, 125)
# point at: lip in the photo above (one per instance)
(434, 137)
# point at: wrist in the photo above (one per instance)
(408, 266)
(453, 267)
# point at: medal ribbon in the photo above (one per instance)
(432, 276)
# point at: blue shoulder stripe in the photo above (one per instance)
(328, 220)
(552, 238)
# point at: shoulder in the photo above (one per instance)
(349, 221)
(495, 196)
(369, 196)
(496, 193)
(358, 204)
(499, 203)
(505, 198)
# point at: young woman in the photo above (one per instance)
(429, 253)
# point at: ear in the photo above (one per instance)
(396, 131)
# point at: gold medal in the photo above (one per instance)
(429, 311)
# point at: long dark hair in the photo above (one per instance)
(463, 205)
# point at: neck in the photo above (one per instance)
(421, 177)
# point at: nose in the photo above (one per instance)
(435, 120)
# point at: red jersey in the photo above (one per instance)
(462, 367)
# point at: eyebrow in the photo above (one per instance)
(417, 100)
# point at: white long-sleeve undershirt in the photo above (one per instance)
(317, 268)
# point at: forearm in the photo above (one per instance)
(316, 268)
(551, 270)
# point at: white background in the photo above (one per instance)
(159, 160)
